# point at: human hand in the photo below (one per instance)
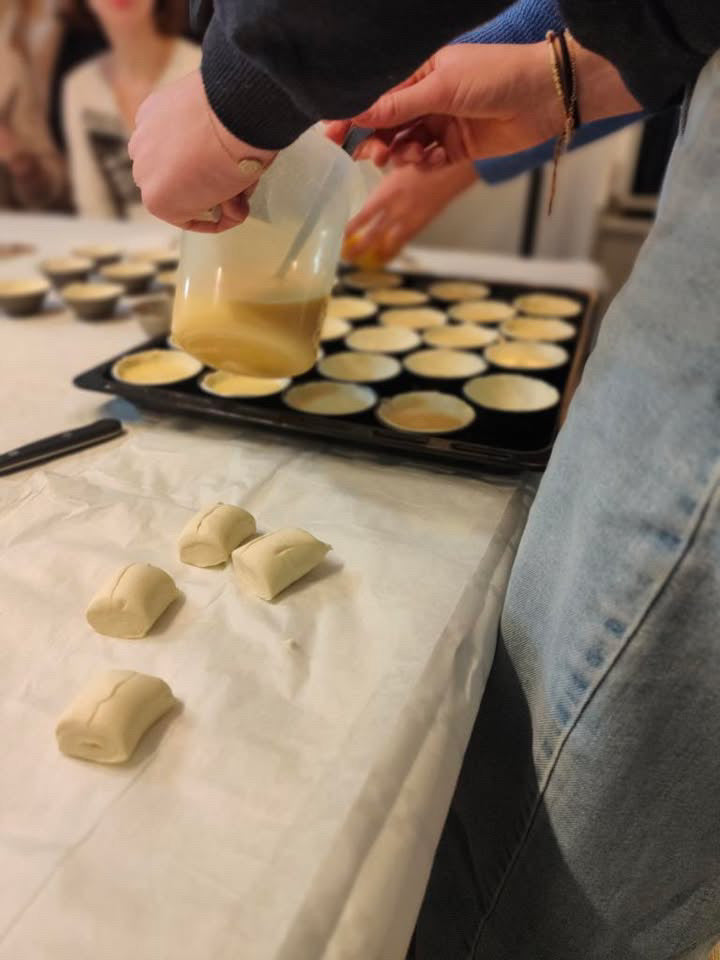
(187, 163)
(404, 202)
(471, 101)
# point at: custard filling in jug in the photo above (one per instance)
(252, 300)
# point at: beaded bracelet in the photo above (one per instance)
(564, 72)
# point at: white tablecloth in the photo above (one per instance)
(290, 809)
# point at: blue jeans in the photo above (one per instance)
(586, 821)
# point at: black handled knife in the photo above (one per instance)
(49, 448)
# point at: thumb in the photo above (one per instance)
(405, 104)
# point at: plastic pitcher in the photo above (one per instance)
(252, 300)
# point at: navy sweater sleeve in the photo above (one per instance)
(659, 46)
(273, 67)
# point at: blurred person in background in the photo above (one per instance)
(101, 96)
(32, 171)
(39, 34)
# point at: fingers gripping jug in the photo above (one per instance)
(252, 300)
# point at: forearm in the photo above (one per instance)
(271, 70)
(602, 91)
(528, 21)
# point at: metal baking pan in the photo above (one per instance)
(471, 450)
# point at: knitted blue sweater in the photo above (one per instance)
(527, 21)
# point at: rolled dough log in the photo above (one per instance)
(268, 565)
(213, 533)
(131, 601)
(106, 720)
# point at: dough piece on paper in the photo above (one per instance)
(271, 563)
(212, 534)
(108, 717)
(131, 601)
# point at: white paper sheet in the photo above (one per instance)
(290, 810)
(241, 825)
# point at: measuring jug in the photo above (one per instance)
(252, 300)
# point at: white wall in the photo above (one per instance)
(586, 179)
(482, 218)
(491, 218)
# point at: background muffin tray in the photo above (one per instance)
(473, 449)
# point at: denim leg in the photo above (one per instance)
(585, 820)
(621, 860)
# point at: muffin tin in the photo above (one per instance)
(488, 440)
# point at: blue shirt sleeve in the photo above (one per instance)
(500, 169)
(528, 21)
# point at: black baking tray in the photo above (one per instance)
(469, 450)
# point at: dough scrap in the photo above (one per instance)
(268, 565)
(108, 717)
(212, 534)
(130, 602)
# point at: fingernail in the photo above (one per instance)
(250, 167)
